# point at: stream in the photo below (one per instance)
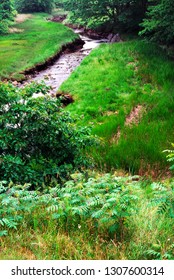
(55, 74)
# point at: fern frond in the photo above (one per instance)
(8, 222)
(3, 233)
(52, 208)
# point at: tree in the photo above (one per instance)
(159, 23)
(38, 139)
(25, 6)
(7, 14)
(124, 14)
(132, 14)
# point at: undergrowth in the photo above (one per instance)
(103, 216)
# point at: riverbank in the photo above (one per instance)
(122, 91)
(34, 43)
(55, 73)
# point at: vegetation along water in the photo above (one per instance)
(92, 179)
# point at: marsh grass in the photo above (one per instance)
(108, 85)
(40, 40)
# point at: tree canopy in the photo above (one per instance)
(159, 22)
(153, 18)
(124, 14)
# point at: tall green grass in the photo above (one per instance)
(107, 86)
(34, 42)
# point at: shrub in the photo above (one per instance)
(159, 22)
(39, 141)
(7, 14)
(3, 27)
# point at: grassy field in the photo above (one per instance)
(31, 42)
(124, 92)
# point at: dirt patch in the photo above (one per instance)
(16, 30)
(116, 137)
(59, 18)
(22, 17)
(110, 113)
(134, 65)
(135, 115)
(133, 118)
(154, 172)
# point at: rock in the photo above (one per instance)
(68, 99)
(15, 83)
(115, 38)
(65, 98)
(110, 37)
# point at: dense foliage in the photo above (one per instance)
(108, 206)
(38, 140)
(119, 14)
(159, 24)
(24, 6)
(6, 15)
(154, 17)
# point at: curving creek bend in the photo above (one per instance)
(54, 75)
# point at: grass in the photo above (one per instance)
(145, 215)
(34, 41)
(107, 87)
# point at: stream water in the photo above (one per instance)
(57, 73)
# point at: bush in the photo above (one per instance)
(24, 6)
(7, 14)
(39, 141)
(3, 27)
(159, 22)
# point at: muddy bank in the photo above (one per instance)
(96, 35)
(93, 34)
(61, 67)
(68, 48)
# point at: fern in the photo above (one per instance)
(10, 223)
(107, 201)
(3, 233)
(52, 208)
(170, 156)
(153, 254)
